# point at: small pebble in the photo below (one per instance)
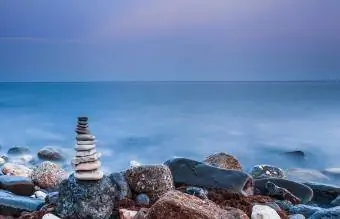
(50, 216)
(143, 199)
(40, 195)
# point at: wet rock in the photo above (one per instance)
(331, 213)
(127, 214)
(301, 191)
(196, 191)
(153, 180)
(264, 212)
(175, 204)
(305, 210)
(193, 173)
(295, 154)
(297, 216)
(50, 216)
(17, 185)
(306, 175)
(40, 195)
(16, 170)
(281, 193)
(51, 154)
(336, 201)
(123, 186)
(17, 150)
(52, 198)
(143, 199)
(223, 160)
(11, 204)
(324, 194)
(87, 199)
(48, 175)
(266, 171)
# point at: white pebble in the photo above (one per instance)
(264, 212)
(40, 195)
(50, 216)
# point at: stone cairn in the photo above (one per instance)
(86, 162)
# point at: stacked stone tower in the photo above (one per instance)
(86, 162)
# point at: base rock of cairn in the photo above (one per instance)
(86, 162)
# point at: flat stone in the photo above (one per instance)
(266, 171)
(91, 158)
(87, 199)
(175, 204)
(223, 160)
(153, 180)
(123, 186)
(48, 175)
(17, 150)
(86, 142)
(301, 191)
(306, 175)
(13, 205)
(80, 131)
(89, 175)
(52, 154)
(84, 147)
(324, 194)
(264, 212)
(82, 153)
(88, 166)
(16, 170)
(85, 137)
(82, 122)
(83, 118)
(281, 193)
(193, 173)
(17, 185)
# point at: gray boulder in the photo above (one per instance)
(87, 199)
(123, 186)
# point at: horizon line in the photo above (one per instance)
(179, 81)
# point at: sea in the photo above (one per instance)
(151, 122)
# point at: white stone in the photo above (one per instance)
(40, 195)
(2, 161)
(86, 142)
(88, 166)
(89, 175)
(16, 170)
(50, 216)
(134, 163)
(91, 158)
(264, 212)
(86, 137)
(84, 147)
(86, 153)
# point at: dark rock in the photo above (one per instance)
(17, 185)
(87, 199)
(153, 180)
(266, 171)
(331, 213)
(175, 204)
(193, 173)
(324, 194)
(305, 210)
(223, 160)
(82, 131)
(295, 154)
(11, 204)
(52, 198)
(336, 201)
(51, 154)
(196, 191)
(301, 191)
(143, 199)
(18, 151)
(281, 193)
(123, 186)
(83, 118)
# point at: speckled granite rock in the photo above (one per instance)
(153, 180)
(48, 175)
(86, 199)
(17, 185)
(223, 160)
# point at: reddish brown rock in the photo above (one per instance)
(175, 205)
(223, 160)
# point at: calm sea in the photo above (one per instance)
(152, 122)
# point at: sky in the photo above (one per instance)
(160, 40)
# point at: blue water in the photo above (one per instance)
(152, 122)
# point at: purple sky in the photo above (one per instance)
(169, 40)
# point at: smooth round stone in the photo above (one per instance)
(83, 118)
(50, 216)
(85, 137)
(89, 175)
(85, 142)
(16, 170)
(143, 199)
(82, 131)
(86, 153)
(84, 147)
(82, 123)
(91, 158)
(18, 150)
(88, 166)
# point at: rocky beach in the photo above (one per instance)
(46, 186)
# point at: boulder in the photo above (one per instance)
(223, 160)
(266, 171)
(281, 193)
(264, 212)
(306, 175)
(86, 199)
(301, 191)
(17, 185)
(48, 175)
(51, 154)
(16, 170)
(324, 194)
(175, 204)
(11, 204)
(331, 213)
(305, 210)
(17, 150)
(193, 173)
(123, 186)
(153, 180)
